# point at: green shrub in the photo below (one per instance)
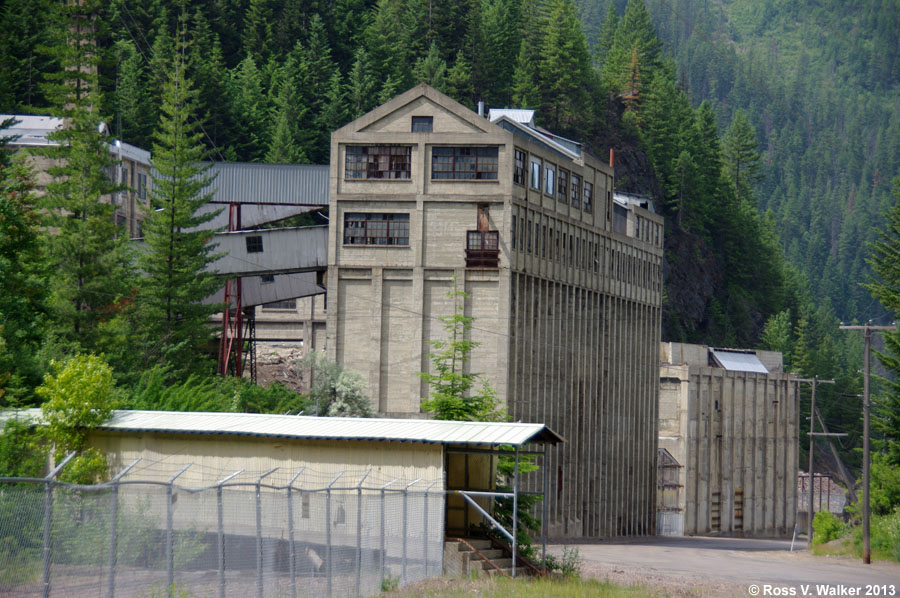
(827, 527)
(569, 563)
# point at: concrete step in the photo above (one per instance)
(480, 544)
(490, 553)
(499, 562)
(505, 572)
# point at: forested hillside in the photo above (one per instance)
(819, 84)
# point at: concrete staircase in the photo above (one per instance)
(470, 557)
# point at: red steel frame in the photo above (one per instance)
(231, 344)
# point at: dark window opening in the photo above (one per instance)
(422, 124)
(378, 162)
(519, 167)
(254, 244)
(576, 191)
(478, 163)
(588, 197)
(562, 186)
(376, 229)
(267, 278)
(286, 304)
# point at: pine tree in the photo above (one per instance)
(361, 85)
(885, 286)
(134, 109)
(334, 109)
(173, 320)
(22, 286)
(432, 70)
(501, 45)
(565, 65)
(459, 81)
(23, 30)
(84, 246)
(742, 163)
(607, 35)
(249, 112)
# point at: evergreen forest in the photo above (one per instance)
(767, 132)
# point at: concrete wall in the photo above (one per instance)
(736, 434)
(568, 325)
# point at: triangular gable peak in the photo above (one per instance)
(449, 116)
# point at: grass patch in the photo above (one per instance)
(519, 588)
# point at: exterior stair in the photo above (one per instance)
(471, 557)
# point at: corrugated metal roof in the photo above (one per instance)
(738, 361)
(324, 428)
(30, 129)
(285, 184)
(520, 115)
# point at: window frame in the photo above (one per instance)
(519, 159)
(480, 163)
(368, 163)
(366, 230)
(427, 121)
(254, 244)
(562, 185)
(576, 191)
(549, 179)
(535, 170)
(588, 197)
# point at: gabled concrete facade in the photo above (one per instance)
(567, 309)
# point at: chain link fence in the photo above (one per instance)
(239, 538)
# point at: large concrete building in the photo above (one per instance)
(564, 285)
(728, 421)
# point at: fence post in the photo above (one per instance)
(220, 543)
(328, 567)
(259, 559)
(292, 567)
(170, 541)
(359, 530)
(113, 523)
(383, 533)
(515, 513)
(544, 512)
(425, 525)
(48, 518)
(406, 526)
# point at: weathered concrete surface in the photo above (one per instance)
(727, 566)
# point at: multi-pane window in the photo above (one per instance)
(536, 174)
(378, 162)
(254, 244)
(422, 124)
(464, 163)
(142, 185)
(562, 185)
(549, 180)
(519, 167)
(576, 191)
(376, 229)
(286, 304)
(588, 197)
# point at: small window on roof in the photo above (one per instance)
(422, 124)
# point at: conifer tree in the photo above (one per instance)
(885, 286)
(607, 35)
(173, 320)
(361, 85)
(249, 109)
(501, 45)
(742, 162)
(565, 65)
(459, 81)
(334, 109)
(432, 70)
(133, 106)
(84, 246)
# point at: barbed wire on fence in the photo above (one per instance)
(251, 534)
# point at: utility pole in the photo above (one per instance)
(867, 329)
(814, 381)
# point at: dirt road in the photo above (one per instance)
(732, 567)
